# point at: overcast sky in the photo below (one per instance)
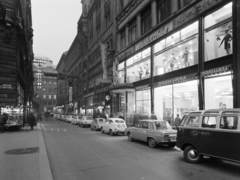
(55, 26)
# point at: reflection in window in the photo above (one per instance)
(218, 33)
(173, 39)
(219, 92)
(209, 122)
(227, 122)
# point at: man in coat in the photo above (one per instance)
(3, 121)
(31, 120)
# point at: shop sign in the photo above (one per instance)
(104, 48)
(216, 70)
(126, 53)
(6, 86)
(176, 80)
(141, 88)
(89, 94)
(124, 85)
(155, 35)
(105, 81)
(102, 90)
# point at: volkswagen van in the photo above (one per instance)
(213, 133)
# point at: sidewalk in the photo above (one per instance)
(34, 166)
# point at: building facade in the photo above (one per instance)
(16, 55)
(45, 85)
(178, 56)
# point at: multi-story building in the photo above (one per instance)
(45, 84)
(176, 56)
(16, 55)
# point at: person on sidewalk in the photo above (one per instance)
(3, 121)
(177, 121)
(31, 120)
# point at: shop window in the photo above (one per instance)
(143, 102)
(122, 39)
(132, 31)
(55, 96)
(175, 99)
(134, 59)
(163, 10)
(146, 20)
(139, 71)
(218, 33)
(184, 51)
(218, 92)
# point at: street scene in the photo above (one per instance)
(119, 89)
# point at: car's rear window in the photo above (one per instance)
(162, 125)
(100, 120)
(119, 121)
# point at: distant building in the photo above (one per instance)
(45, 87)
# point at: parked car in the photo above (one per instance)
(97, 124)
(85, 121)
(76, 120)
(153, 132)
(114, 126)
(213, 133)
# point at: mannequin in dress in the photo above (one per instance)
(227, 39)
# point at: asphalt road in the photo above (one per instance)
(77, 153)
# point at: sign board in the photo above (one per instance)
(105, 81)
(6, 86)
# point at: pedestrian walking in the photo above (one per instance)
(3, 121)
(177, 121)
(31, 120)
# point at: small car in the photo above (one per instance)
(153, 132)
(76, 120)
(97, 124)
(85, 121)
(114, 126)
(213, 133)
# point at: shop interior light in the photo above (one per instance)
(228, 5)
(218, 96)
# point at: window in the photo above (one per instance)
(55, 96)
(209, 122)
(122, 39)
(229, 122)
(44, 89)
(55, 83)
(163, 10)
(45, 103)
(145, 125)
(143, 102)
(44, 96)
(132, 31)
(49, 96)
(193, 121)
(44, 82)
(146, 20)
(218, 33)
(49, 103)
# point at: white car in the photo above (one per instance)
(114, 126)
(85, 121)
(76, 120)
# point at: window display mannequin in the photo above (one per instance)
(172, 62)
(140, 72)
(146, 71)
(185, 57)
(227, 39)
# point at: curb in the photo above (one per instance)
(44, 165)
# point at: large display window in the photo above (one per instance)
(175, 99)
(218, 33)
(177, 51)
(143, 102)
(219, 92)
(121, 73)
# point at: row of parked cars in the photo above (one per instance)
(213, 133)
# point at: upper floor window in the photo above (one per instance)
(132, 31)
(55, 96)
(146, 20)
(163, 10)
(44, 96)
(50, 96)
(218, 33)
(44, 82)
(122, 39)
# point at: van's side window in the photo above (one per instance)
(227, 122)
(193, 121)
(209, 122)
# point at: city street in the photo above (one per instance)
(79, 153)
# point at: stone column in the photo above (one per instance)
(154, 12)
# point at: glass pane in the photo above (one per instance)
(218, 93)
(132, 74)
(137, 57)
(218, 42)
(173, 39)
(218, 16)
(179, 57)
(121, 76)
(159, 46)
(129, 61)
(121, 66)
(163, 103)
(189, 30)
(146, 53)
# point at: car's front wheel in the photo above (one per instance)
(130, 138)
(152, 143)
(191, 155)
